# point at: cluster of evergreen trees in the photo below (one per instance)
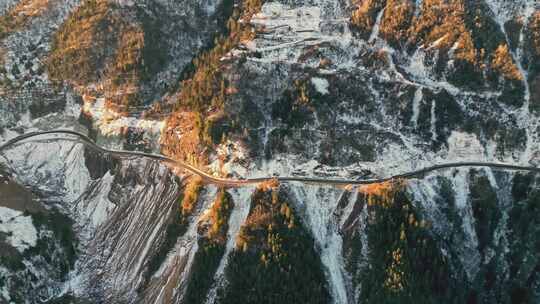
(206, 90)
(405, 264)
(275, 260)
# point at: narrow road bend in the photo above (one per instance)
(243, 182)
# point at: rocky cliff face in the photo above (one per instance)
(321, 88)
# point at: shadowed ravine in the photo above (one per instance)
(250, 181)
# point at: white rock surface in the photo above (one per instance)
(19, 228)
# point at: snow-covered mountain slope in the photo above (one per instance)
(324, 88)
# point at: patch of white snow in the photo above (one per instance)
(321, 85)
(19, 228)
(418, 95)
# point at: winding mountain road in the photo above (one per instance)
(243, 182)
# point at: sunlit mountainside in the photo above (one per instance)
(252, 151)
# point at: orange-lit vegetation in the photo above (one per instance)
(503, 63)
(533, 46)
(381, 193)
(403, 257)
(269, 185)
(397, 257)
(533, 49)
(455, 28)
(212, 230)
(217, 217)
(21, 14)
(274, 260)
(394, 277)
(208, 86)
(302, 98)
(185, 141)
(100, 44)
(191, 194)
(364, 17)
(84, 41)
(396, 21)
(178, 222)
(474, 39)
(267, 214)
(534, 32)
(439, 23)
(126, 71)
(297, 105)
(203, 95)
(443, 22)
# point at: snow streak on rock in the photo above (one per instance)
(368, 87)
(241, 199)
(318, 205)
(111, 123)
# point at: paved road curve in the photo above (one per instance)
(242, 182)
